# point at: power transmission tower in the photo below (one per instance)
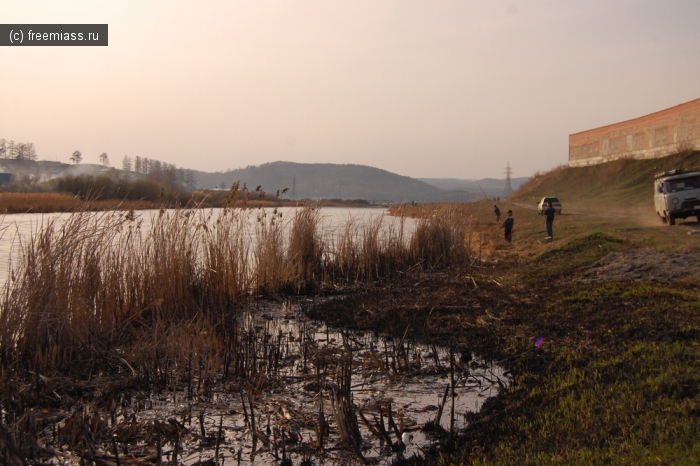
(508, 188)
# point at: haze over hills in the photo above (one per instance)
(336, 181)
(303, 181)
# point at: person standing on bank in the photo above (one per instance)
(508, 226)
(549, 220)
(497, 211)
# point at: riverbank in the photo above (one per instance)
(613, 379)
(600, 331)
(600, 340)
(43, 203)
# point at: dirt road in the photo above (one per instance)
(647, 264)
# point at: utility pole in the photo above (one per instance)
(508, 188)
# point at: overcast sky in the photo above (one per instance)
(420, 88)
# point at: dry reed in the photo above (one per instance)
(93, 287)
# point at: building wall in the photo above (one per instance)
(655, 135)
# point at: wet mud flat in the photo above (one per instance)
(304, 393)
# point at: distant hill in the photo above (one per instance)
(303, 181)
(491, 186)
(334, 181)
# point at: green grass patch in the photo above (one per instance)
(566, 260)
(636, 407)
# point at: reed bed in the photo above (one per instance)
(445, 238)
(92, 282)
(16, 203)
(98, 293)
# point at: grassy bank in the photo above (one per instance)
(620, 186)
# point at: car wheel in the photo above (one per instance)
(671, 220)
(663, 219)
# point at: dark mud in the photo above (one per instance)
(288, 410)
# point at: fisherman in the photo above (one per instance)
(549, 220)
(508, 226)
(497, 211)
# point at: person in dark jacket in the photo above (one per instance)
(508, 226)
(549, 219)
(497, 211)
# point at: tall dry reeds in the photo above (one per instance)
(305, 250)
(89, 284)
(443, 239)
(273, 271)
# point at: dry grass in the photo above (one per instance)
(16, 203)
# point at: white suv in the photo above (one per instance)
(542, 206)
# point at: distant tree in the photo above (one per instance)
(77, 157)
(25, 151)
(3, 149)
(138, 166)
(20, 151)
(11, 150)
(157, 170)
(126, 163)
(190, 179)
(104, 160)
(31, 152)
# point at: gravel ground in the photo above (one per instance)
(645, 266)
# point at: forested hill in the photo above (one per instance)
(334, 181)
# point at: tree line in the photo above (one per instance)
(163, 172)
(17, 150)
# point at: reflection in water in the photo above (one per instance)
(395, 392)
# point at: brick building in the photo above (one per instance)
(655, 135)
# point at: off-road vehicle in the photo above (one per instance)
(677, 195)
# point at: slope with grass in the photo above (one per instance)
(622, 185)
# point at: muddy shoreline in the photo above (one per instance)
(613, 303)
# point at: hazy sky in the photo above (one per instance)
(421, 88)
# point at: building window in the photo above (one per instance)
(661, 136)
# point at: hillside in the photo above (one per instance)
(492, 187)
(329, 181)
(614, 186)
(304, 181)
